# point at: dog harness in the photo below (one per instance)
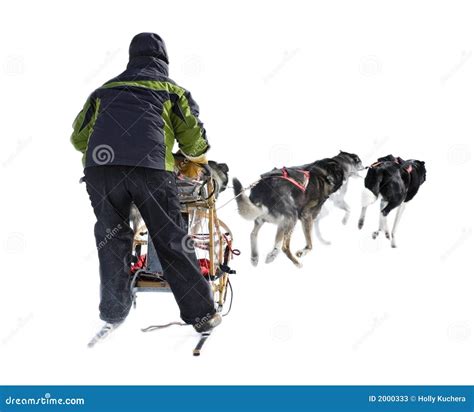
(397, 160)
(297, 177)
(302, 186)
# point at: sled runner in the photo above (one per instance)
(210, 238)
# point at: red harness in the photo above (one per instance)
(300, 186)
(379, 163)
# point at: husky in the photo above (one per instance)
(396, 182)
(219, 173)
(338, 200)
(281, 198)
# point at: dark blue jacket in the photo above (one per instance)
(135, 118)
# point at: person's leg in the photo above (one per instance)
(155, 194)
(114, 238)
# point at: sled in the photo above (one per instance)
(211, 240)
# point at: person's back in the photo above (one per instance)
(126, 132)
(134, 118)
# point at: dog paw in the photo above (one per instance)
(326, 242)
(387, 235)
(360, 225)
(302, 252)
(374, 235)
(345, 219)
(254, 260)
(271, 256)
(299, 265)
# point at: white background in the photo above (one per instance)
(279, 83)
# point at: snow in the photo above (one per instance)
(283, 84)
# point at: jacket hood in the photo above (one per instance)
(148, 45)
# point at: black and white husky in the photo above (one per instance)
(396, 182)
(277, 198)
(339, 201)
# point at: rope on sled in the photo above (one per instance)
(156, 327)
(240, 194)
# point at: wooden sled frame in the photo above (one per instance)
(216, 243)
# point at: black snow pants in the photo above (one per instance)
(111, 190)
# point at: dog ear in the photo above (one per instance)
(224, 167)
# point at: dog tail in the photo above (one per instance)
(247, 209)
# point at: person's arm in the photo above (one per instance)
(188, 129)
(83, 125)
